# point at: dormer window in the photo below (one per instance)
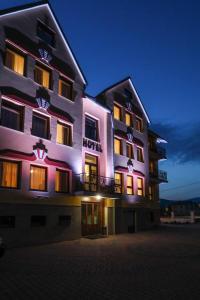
(46, 34)
(65, 88)
(42, 76)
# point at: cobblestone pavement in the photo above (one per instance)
(161, 264)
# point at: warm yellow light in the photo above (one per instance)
(98, 197)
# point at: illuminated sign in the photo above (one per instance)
(92, 145)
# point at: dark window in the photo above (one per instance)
(9, 174)
(152, 217)
(65, 89)
(7, 221)
(129, 151)
(64, 134)
(40, 126)
(12, 115)
(91, 128)
(139, 124)
(65, 220)
(46, 34)
(140, 156)
(62, 181)
(37, 221)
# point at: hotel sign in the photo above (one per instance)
(92, 145)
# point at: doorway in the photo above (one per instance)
(91, 173)
(91, 213)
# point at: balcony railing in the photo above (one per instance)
(162, 176)
(160, 151)
(94, 183)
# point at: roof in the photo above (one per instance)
(129, 80)
(158, 137)
(20, 8)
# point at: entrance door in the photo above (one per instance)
(91, 173)
(91, 218)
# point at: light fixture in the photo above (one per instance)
(86, 199)
(98, 197)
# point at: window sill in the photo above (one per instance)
(14, 72)
(20, 131)
(46, 139)
(64, 98)
(70, 146)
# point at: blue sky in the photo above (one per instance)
(157, 43)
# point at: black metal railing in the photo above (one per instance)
(159, 150)
(94, 183)
(162, 176)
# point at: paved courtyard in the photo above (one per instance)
(160, 264)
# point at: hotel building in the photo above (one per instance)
(71, 164)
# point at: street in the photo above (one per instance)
(160, 264)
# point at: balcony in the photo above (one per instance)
(92, 183)
(158, 152)
(158, 177)
(162, 176)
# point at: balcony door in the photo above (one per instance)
(91, 173)
(91, 218)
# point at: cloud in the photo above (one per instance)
(183, 141)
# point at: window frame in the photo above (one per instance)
(120, 112)
(141, 124)
(43, 67)
(96, 121)
(128, 186)
(142, 188)
(64, 81)
(132, 150)
(18, 109)
(14, 51)
(48, 31)
(65, 125)
(131, 119)
(141, 152)
(121, 183)
(48, 120)
(68, 181)
(46, 178)
(120, 144)
(19, 171)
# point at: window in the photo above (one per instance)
(37, 221)
(117, 112)
(140, 154)
(129, 151)
(118, 183)
(42, 76)
(64, 134)
(140, 186)
(7, 221)
(128, 119)
(9, 174)
(117, 146)
(38, 178)
(139, 124)
(151, 167)
(46, 34)
(65, 89)
(151, 192)
(12, 115)
(129, 184)
(65, 220)
(62, 181)
(40, 126)
(14, 61)
(91, 128)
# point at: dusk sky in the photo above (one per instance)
(157, 43)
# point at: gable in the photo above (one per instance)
(21, 23)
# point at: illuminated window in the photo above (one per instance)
(117, 146)
(140, 186)
(65, 89)
(42, 76)
(12, 115)
(117, 112)
(129, 185)
(40, 126)
(151, 192)
(128, 119)
(140, 154)
(38, 178)
(46, 34)
(151, 166)
(129, 151)
(14, 61)
(9, 174)
(62, 181)
(64, 134)
(91, 128)
(139, 124)
(118, 183)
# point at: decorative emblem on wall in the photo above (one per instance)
(128, 96)
(129, 106)
(130, 134)
(42, 103)
(40, 150)
(44, 55)
(130, 166)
